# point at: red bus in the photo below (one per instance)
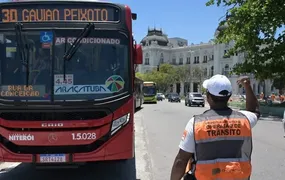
(67, 81)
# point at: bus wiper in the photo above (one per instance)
(21, 45)
(75, 45)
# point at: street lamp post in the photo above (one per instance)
(158, 58)
(190, 78)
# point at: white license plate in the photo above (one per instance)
(52, 158)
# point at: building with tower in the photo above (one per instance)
(209, 57)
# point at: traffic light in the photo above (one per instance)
(157, 67)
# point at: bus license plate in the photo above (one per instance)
(52, 158)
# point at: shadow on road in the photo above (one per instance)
(109, 170)
(138, 109)
(149, 103)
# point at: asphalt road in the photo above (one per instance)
(164, 123)
(158, 131)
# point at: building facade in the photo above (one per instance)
(208, 57)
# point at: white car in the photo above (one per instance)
(160, 96)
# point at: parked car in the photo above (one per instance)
(159, 97)
(174, 97)
(194, 98)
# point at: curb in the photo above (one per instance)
(8, 165)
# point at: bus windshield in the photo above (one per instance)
(98, 69)
(149, 90)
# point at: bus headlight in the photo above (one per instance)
(119, 123)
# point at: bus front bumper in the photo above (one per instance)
(150, 99)
(120, 146)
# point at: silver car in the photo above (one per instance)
(194, 98)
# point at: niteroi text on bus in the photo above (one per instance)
(62, 14)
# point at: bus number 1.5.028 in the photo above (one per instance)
(83, 136)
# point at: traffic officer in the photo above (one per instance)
(220, 139)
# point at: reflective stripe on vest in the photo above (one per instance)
(223, 142)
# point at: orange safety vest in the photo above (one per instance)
(223, 140)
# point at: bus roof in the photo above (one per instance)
(149, 82)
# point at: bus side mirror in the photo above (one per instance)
(134, 16)
(138, 54)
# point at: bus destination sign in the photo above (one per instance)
(62, 12)
(149, 84)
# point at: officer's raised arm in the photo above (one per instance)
(252, 104)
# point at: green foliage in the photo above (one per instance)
(141, 76)
(166, 76)
(198, 73)
(183, 73)
(279, 83)
(254, 27)
(203, 90)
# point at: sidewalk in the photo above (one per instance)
(270, 118)
(263, 117)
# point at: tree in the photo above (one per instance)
(141, 76)
(279, 83)
(171, 72)
(163, 78)
(203, 90)
(254, 27)
(183, 73)
(198, 73)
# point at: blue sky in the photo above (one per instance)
(188, 19)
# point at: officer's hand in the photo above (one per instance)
(244, 81)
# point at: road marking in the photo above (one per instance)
(7, 166)
(143, 161)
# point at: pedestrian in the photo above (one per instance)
(220, 139)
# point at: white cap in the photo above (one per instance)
(218, 85)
